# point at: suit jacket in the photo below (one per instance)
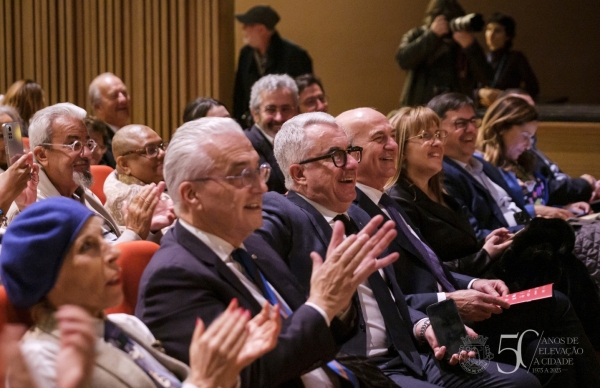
(483, 211)
(185, 279)
(294, 228)
(414, 277)
(283, 57)
(445, 228)
(113, 367)
(264, 149)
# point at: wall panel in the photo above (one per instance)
(167, 52)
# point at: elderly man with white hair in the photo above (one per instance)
(211, 257)
(273, 101)
(110, 103)
(62, 148)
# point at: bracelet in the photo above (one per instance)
(424, 327)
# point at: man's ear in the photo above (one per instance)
(189, 196)
(255, 115)
(123, 165)
(297, 174)
(40, 154)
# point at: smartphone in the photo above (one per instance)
(447, 326)
(515, 234)
(13, 142)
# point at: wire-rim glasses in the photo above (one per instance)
(248, 178)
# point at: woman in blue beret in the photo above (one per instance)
(53, 255)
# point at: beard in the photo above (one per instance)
(84, 179)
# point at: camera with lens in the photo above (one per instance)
(472, 22)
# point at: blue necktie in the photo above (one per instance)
(430, 258)
(160, 375)
(253, 274)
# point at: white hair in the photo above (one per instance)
(186, 156)
(271, 83)
(291, 144)
(40, 129)
(94, 91)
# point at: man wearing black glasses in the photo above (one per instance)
(62, 147)
(139, 153)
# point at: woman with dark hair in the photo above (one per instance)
(27, 97)
(204, 107)
(80, 268)
(417, 187)
(505, 138)
(511, 68)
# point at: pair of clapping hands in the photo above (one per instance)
(217, 354)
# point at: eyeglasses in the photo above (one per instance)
(285, 110)
(249, 177)
(150, 151)
(76, 146)
(427, 137)
(339, 157)
(462, 124)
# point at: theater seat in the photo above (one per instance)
(10, 314)
(135, 256)
(100, 173)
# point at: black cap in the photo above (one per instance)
(260, 14)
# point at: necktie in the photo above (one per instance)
(160, 375)
(253, 274)
(430, 258)
(349, 225)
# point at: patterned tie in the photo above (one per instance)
(430, 258)
(160, 375)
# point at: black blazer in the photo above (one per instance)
(264, 149)
(446, 229)
(483, 212)
(185, 279)
(415, 279)
(283, 57)
(294, 228)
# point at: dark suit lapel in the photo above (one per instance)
(373, 209)
(323, 229)
(481, 189)
(211, 261)
(262, 145)
(275, 271)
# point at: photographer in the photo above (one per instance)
(443, 55)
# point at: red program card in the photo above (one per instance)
(536, 293)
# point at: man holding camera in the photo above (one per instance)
(442, 55)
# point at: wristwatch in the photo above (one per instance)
(424, 327)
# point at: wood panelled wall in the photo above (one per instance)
(167, 52)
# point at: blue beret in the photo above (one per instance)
(35, 245)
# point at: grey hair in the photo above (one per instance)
(40, 128)
(12, 113)
(94, 91)
(186, 157)
(271, 83)
(291, 144)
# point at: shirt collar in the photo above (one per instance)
(373, 194)
(219, 246)
(474, 165)
(328, 214)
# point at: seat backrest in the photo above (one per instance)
(9, 313)
(100, 173)
(135, 256)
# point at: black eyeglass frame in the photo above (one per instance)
(476, 121)
(332, 155)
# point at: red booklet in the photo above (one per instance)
(536, 293)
